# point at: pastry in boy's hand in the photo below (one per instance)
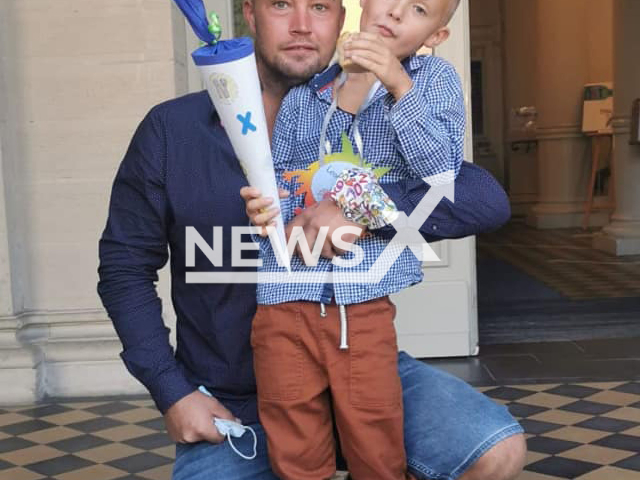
(346, 63)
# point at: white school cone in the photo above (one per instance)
(229, 72)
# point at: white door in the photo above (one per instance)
(439, 316)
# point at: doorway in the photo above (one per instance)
(541, 279)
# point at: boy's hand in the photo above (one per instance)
(324, 213)
(258, 209)
(370, 52)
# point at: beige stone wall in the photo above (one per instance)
(83, 75)
(599, 18)
(75, 80)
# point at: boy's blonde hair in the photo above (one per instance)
(453, 6)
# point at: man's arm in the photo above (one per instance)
(132, 249)
(481, 205)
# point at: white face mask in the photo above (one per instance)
(229, 428)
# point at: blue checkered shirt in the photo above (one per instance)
(419, 136)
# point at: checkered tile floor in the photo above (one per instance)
(588, 431)
(564, 260)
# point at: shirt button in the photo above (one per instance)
(434, 227)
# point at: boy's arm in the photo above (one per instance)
(282, 149)
(429, 122)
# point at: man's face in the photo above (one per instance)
(406, 25)
(294, 38)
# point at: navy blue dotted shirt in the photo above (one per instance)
(180, 171)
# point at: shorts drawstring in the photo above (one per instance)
(343, 323)
(343, 327)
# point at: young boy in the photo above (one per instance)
(311, 364)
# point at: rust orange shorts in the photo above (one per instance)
(304, 378)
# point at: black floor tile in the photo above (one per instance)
(576, 391)
(513, 367)
(561, 467)
(149, 442)
(606, 424)
(535, 348)
(95, 424)
(14, 443)
(523, 410)
(635, 405)
(22, 428)
(537, 427)
(469, 369)
(111, 408)
(45, 410)
(140, 462)
(154, 424)
(552, 446)
(4, 465)
(526, 369)
(60, 465)
(79, 443)
(621, 442)
(631, 463)
(631, 387)
(611, 348)
(507, 393)
(589, 408)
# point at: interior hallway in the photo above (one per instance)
(550, 285)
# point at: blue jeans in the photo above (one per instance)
(448, 425)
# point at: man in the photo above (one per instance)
(179, 175)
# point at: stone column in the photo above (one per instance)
(17, 373)
(563, 157)
(622, 236)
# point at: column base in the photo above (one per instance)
(619, 239)
(543, 216)
(18, 376)
(61, 354)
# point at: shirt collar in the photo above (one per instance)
(322, 80)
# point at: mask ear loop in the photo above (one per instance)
(255, 444)
(203, 389)
(356, 131)
(326, 149)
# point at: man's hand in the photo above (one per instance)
(190, 419)
(322, 214)
(369, 51)
(258, 209)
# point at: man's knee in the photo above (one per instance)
(504, 461)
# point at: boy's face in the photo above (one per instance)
(406, 25)
(294, 39)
